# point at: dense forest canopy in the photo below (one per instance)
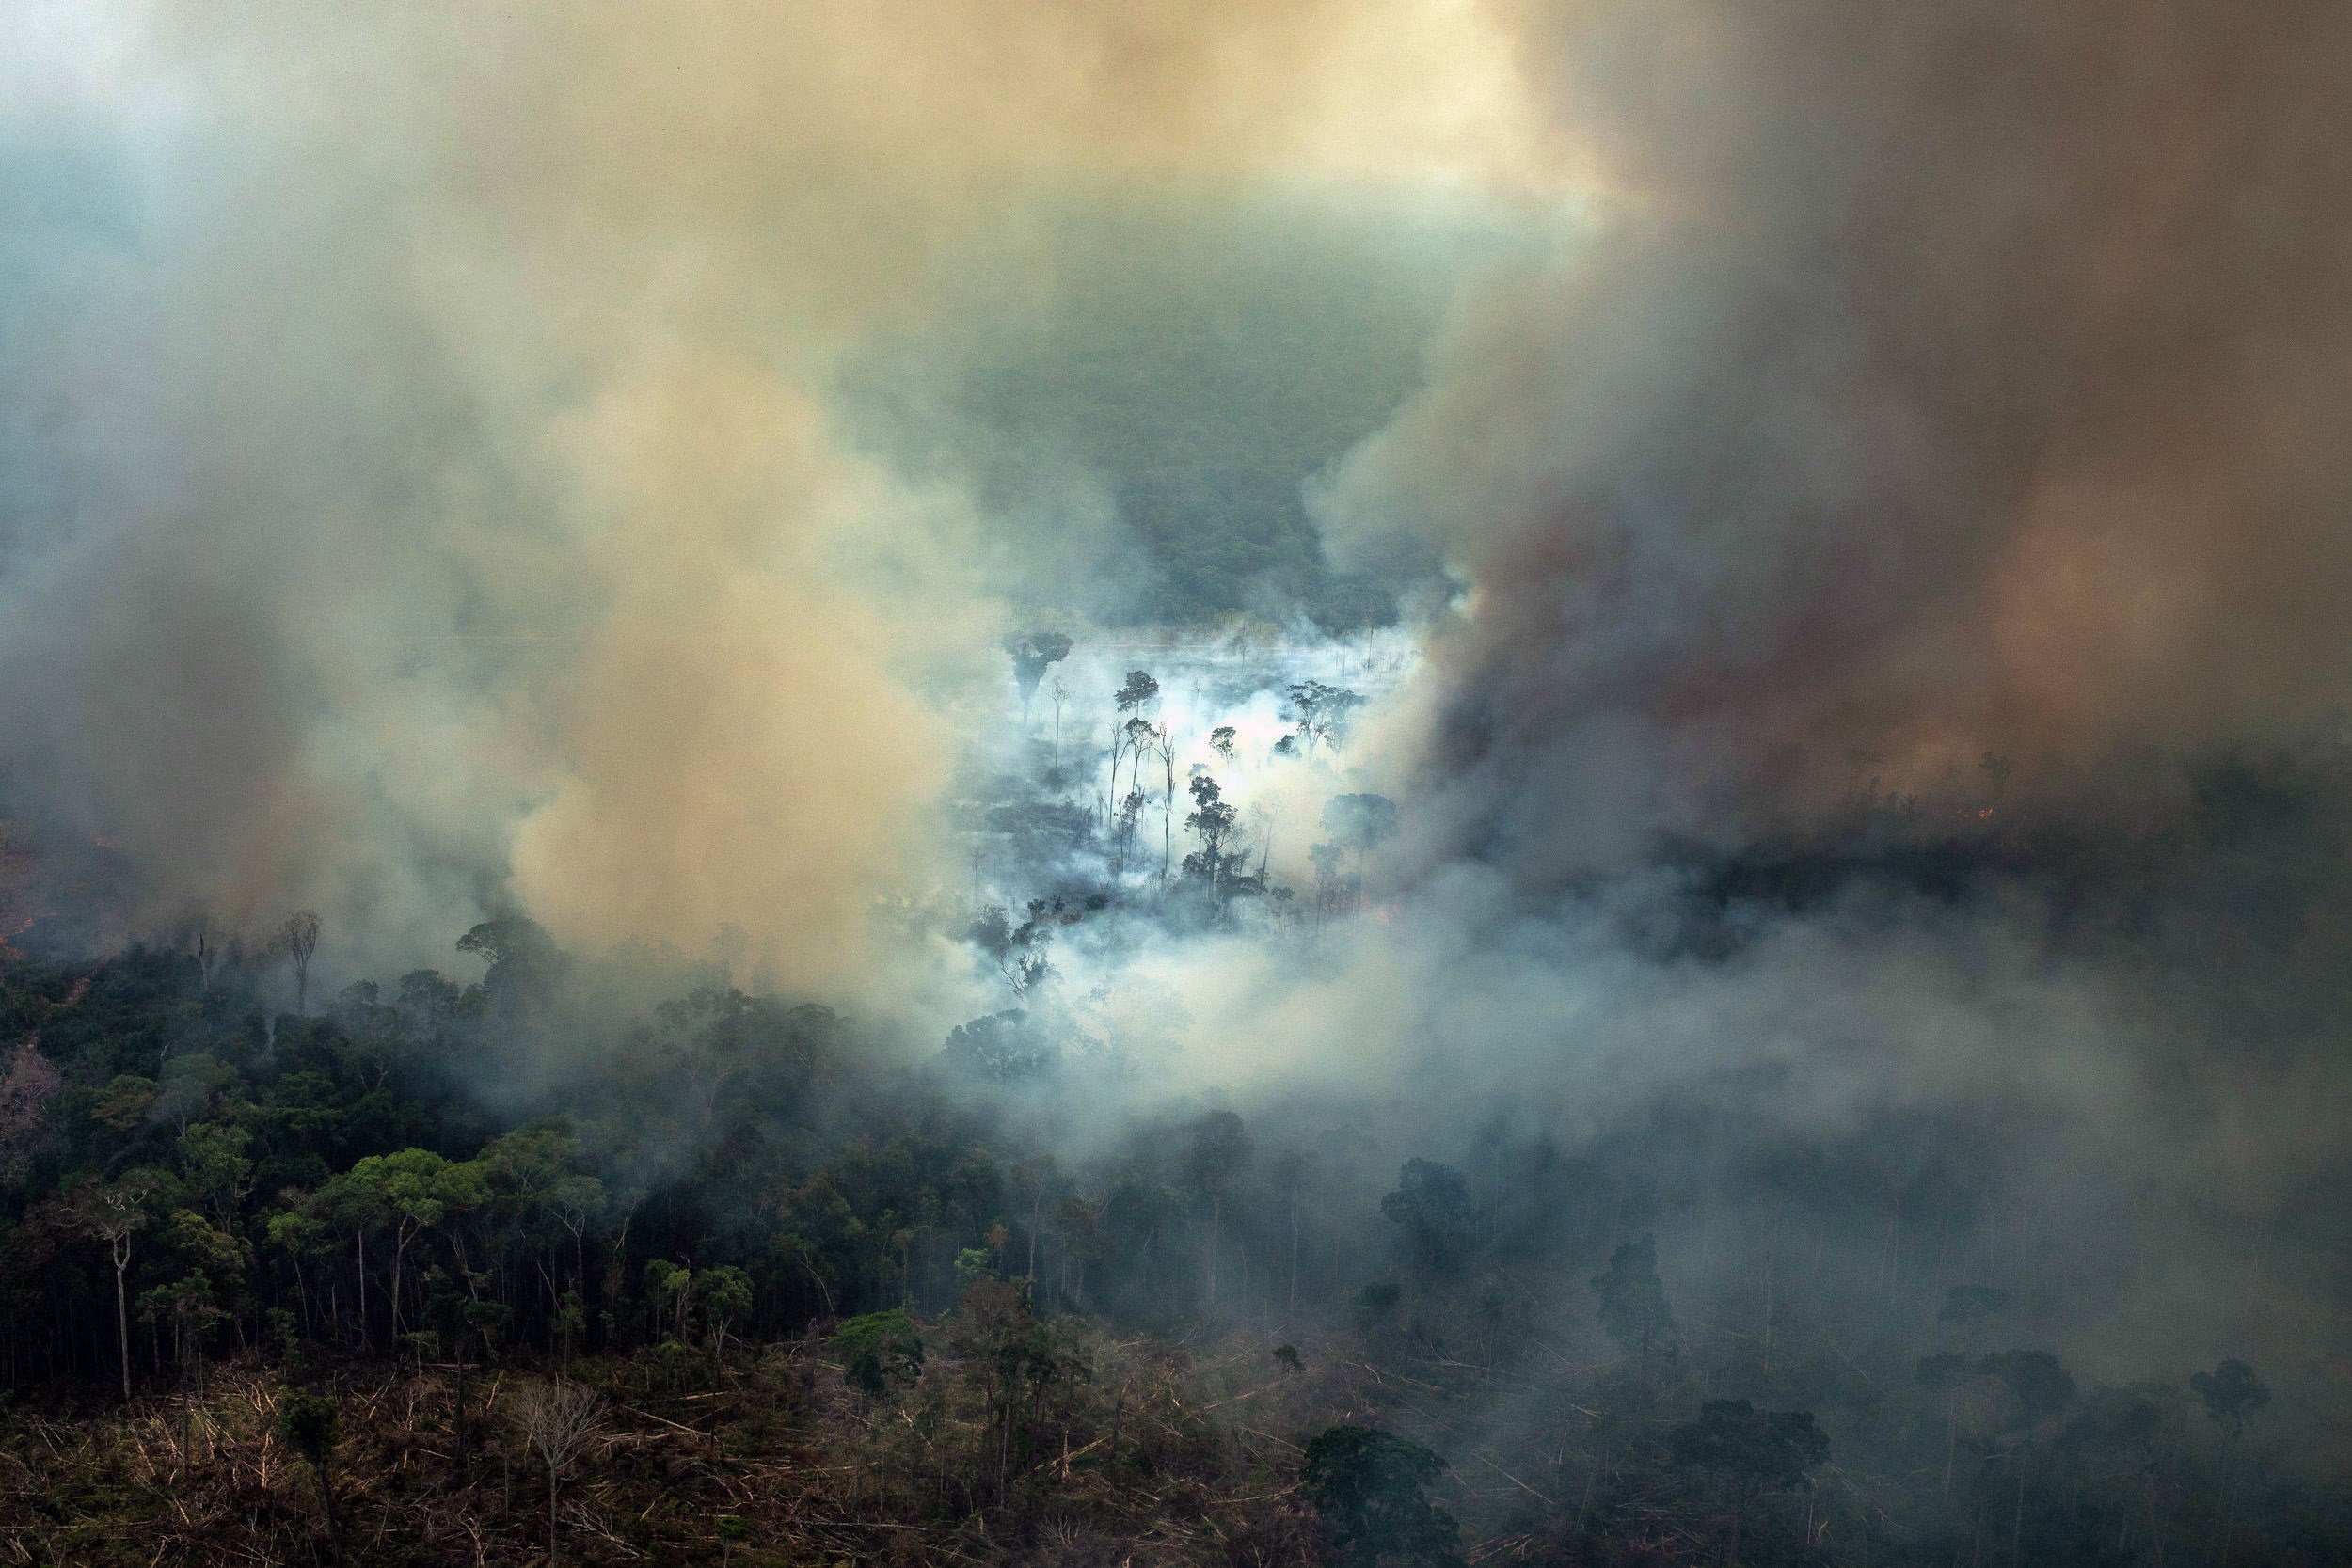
(1375, 784)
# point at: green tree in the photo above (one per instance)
(306, 1423)
(670, 1294)
(1432, 1202)
(524, 960)
(1014, 1358)
(1079, 1223)
(1321, 713)
(1374, 1307)
(727, 1292)
(410, 1192)
(1372, 1491)
(114, 1214)
(1136, 693)
(297, 1231)
(213, 1166)
(188, 1304)
(2230, 1394)
(460, 1316)
(880, 1351)
(1032, 654)
(2038, 1385)
(715, 1037)
(1634, 1308)
(297, 939)
(1214, 822)
(534, 1175)
(1755, 1451)
(124, 1102)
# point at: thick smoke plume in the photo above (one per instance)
(1884, 743)
(421, 489)
(1940, 379)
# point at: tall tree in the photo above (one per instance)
(1755, 1451)
(1128, 703)
(1214, 822)
(727, 1292)
(2230, 1394)
(535, 1176)
(1292, 1168)
(879, 1351)
(1432, 1202)
(1321, 713)
(409, 1192)
(1033, 654)
(298, 940)
(1371, 1490)
(114, 1214)
(1362, 823)
(1162, 745)
(306, 1423)
(559, 1419)
(1634, 1308)
(1220, 1153)
(1946, 1374)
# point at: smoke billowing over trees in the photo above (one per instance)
(1555, 782)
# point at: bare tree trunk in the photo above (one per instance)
(400, 1251)
(461, 1405)
(123, 1312)
(1167, 802)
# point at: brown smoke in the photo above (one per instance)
(1938, 379)
(424, 490)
